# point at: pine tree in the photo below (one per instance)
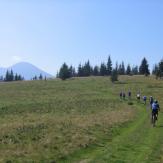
(11, 76)
(155, 69)
(87, 69)
(114, 75)
(16, 77)
(103, 69)
(123, 69)
(159, 70)
(120, 69)
(80, 70)
(40, 77)
(109, 66)
(7, 76)
(116, 66)
(128, 70)
(135, 70)
(96, 71)
(143, 69)
(64, 72)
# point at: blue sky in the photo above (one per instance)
(47, 33)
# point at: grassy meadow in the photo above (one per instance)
(79, 120)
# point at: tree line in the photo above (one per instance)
(10, 76)
(40, 77)
(105, 69)
(158, 70)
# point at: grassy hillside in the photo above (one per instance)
(79, 120)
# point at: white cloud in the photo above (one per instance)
(16, 58)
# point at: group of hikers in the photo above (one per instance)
(154, 105)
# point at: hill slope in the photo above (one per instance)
(80, 120)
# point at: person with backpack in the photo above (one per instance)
(144, 99)
(138, 96)
(155, 109)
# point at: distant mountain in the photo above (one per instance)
(26, 70)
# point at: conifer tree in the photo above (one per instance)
(96, 71)
(40, 77)
(109, 66)
(103, 69)
(128, 70)
(144, 68)
(114, 75)
(64, 72)
(135, 70)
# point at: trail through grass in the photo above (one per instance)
(137, 142)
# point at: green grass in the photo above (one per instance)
(79, 120)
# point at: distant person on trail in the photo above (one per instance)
(120, 95)
(144, 99)
(138, 96)
(155, 108)
(124, 95)
(129, 94)
(151, 100)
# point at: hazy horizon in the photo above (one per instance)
(54, 32)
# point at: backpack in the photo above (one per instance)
(154, 106)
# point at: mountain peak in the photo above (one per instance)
(25, 69)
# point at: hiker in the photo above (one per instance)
(138, 96)
(144, 99)
(129, 94)
(124, 95)
(151, 100)
(155, 108)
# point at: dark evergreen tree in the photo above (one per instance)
(109, 66)
(116, 66)
(159, 70)
(96, 71)
(16, 77)
(7, 76)
(155, 69)
(114, 75)
(72, 71)
(121, 69)
(11, 76)
(64, 72)
(80, 70)
(128, 70)
(103, 69)
(143, 69)
(87, 69)
(40, 77)
(20, 78)
(135, 70)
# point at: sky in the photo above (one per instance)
(47, 33)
